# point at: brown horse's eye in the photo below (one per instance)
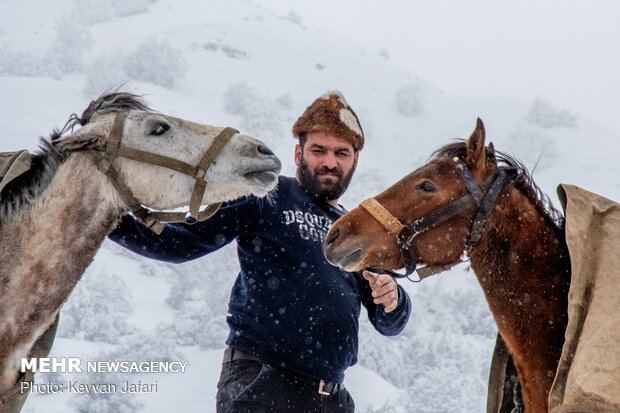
(426, 187)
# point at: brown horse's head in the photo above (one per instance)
(470, 198)
(358, 240)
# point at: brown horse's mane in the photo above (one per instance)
(524, 182)
(46, 160)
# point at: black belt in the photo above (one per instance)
(323, 388)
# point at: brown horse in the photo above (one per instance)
(468, 198)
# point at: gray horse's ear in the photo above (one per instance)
(475, 145)
(87, 137)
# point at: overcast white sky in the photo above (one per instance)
(567, 52)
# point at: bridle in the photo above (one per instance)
(483, 197)
(155, 219)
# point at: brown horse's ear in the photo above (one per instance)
(475, 146)
(90, 136)
(491, 152)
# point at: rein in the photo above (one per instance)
(154, 219)
(483, 197)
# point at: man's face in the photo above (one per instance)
(325, 165)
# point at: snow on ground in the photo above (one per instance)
(235, 63)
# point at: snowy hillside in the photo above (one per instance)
(234, 63)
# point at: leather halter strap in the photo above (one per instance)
(155, 219)
(17, 388)
(389, 221)
(483, 197)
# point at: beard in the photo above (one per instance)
(320, 190)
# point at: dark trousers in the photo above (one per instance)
(251, 386)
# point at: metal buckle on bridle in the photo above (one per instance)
(154, 219)
(483, 197)
(397, 229)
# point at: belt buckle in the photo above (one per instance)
(322, 392)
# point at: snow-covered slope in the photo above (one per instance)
(235, 63)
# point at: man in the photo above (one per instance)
(293, 317)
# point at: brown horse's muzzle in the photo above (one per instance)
(336, 254)
(351, 248)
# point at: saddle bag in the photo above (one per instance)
(588, 375)
(12, 165)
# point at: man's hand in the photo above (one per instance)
(384, 289)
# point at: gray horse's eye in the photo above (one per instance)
(159, 129)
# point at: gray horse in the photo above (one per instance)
(54, 217)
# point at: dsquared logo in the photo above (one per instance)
(311, 227)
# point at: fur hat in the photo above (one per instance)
(330, 113)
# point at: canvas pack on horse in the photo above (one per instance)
(55, 215)
(470, 198)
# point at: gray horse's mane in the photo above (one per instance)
(46, 160)
(107, 102)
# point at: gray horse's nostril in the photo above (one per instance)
(333, 236)
(264, 150)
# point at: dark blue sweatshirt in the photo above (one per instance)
(288, 305)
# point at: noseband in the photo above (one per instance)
(155, 219)
(483, 197)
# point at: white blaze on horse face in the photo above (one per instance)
(245, 165)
